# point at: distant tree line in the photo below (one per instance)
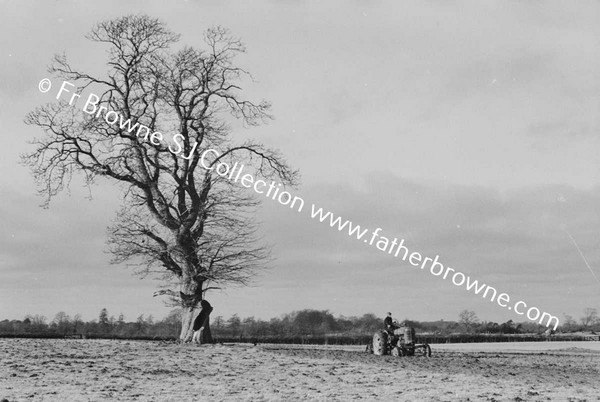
(105, 326)
(304, 323)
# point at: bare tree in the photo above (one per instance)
(38, 322)
(103, 321)
(468, 319)
(62, 322)
(590, 317)
(568, 324)
(180, 219)
(77, 322)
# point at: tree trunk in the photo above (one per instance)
(187, 321)
(187, 324)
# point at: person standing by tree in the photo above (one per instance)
(201, 320)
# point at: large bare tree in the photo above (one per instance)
(468, 319)
(179, 219)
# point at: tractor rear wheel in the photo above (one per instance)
(380, 340)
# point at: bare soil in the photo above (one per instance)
(100, 370)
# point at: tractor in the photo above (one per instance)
(399, 343)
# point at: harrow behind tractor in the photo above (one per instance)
(400, 343)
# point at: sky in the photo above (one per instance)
(467, 128)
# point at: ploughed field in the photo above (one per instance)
(101, 370)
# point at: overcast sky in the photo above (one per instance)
(468, 128)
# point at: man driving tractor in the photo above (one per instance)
(390, 324)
